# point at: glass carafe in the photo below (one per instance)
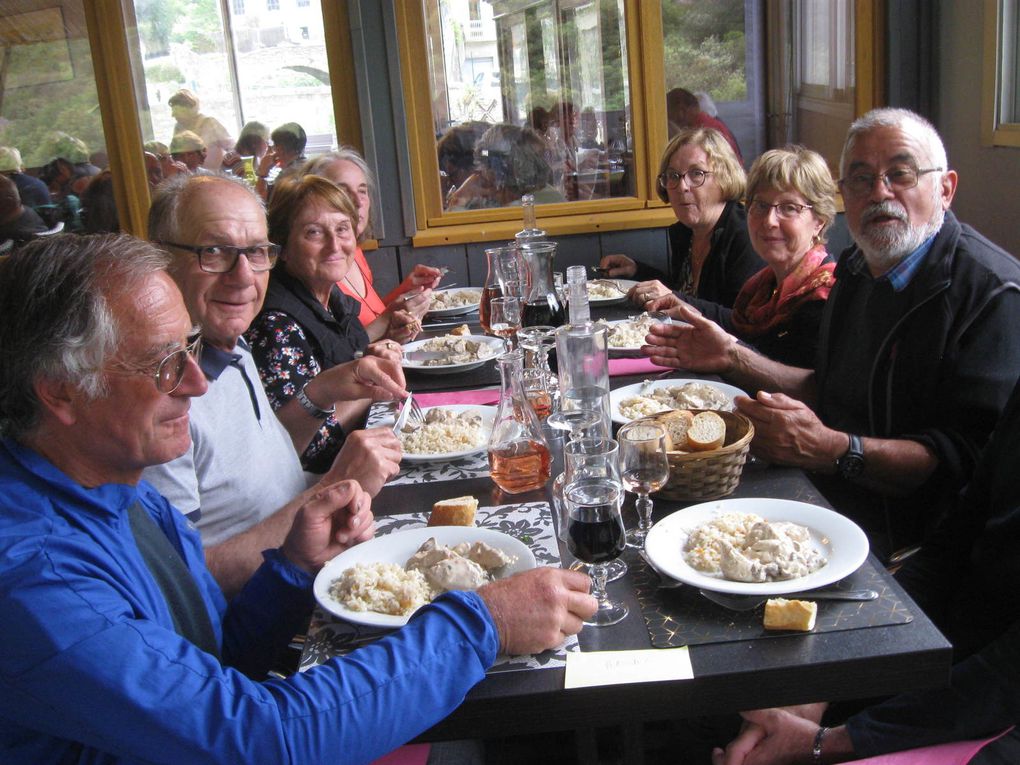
(541, 303)
(518, 452)
(506, 276)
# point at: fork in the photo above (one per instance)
(411, 414)
(750, 602)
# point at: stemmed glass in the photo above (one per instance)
(595, 535)
(505, 319)
(644, 468)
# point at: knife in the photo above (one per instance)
(422, 356)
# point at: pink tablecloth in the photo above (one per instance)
(956, 753)
(643, 366)
(411, 754)
(479, 397)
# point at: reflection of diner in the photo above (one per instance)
(791, 204)
(283, 160)
(684, 111)
(710, 251)
(118, 645)
(184, 107)
(455, 151)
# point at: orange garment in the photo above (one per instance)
(371, 304)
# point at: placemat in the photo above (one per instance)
(531, 522)
(681, 616)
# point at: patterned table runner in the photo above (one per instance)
(531, 522)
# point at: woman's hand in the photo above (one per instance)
(618, 266)
(644, 293)
(422, 276)
(386, 349)
(403, 316)
(371, 377)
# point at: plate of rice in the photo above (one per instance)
(454, 301)
(632, 402)
(627, 336)
(450, 432)
(371, 575)
(463, 352)
(608, 291)
(839, 541)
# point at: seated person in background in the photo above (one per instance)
(98, 207)
(32, 190)
(240, 480)
(283, 160)
(684, 111)
(509, 163)
(306, 325)
(184, 108)
(189, 148)
(347, 169)
(455, 151)
(711, 256)
(18, 223)
(118, 645)
(252, 143)
(791, 204)
(168, 165)
(965, 579)
(917, 351)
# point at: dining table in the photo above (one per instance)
(856, 651)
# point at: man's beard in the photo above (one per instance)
(884, 247)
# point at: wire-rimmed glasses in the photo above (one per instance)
(785, 210)
(169, 372)
(900, 178)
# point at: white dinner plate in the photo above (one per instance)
(397, 547)
(627, 351)
(643, 388)
(445, 369)
(460, 309)
(838, 538)
(624, 284)
(488, 417)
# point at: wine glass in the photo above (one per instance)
(595, 535)
(505, 319)
(644, 468)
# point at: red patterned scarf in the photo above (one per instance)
(762, 306)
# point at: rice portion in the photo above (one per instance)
(703, 548)
(636, 407)
(604, 289)
(458, 350)
(456, 299)
(630, 334)
(385, 588)
(445, 432)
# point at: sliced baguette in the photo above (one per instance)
(707, 432)
(461, 331)
(676, 424)
(459, 511)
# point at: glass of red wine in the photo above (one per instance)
(596, 536)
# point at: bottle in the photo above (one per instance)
(582, 352)
(531, 232)
(504, 277)
(541, 304)
(577, 295)
(518, 452)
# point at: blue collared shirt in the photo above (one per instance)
(898, 276)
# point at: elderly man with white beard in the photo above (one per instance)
(917, 354)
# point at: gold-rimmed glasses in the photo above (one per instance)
(169, 372)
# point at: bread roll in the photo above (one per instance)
(460, 331)
(707, 432)
(459, 511)
(783, 614)
(676, 424)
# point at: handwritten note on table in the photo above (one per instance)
(619, 667)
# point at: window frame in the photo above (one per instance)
(994, 131)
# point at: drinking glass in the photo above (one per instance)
(644, 468)
(595, 535)
(505, 319)
(530, 341)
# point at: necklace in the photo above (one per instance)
(360, 293)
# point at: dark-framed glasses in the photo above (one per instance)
(671, 178)
(221, 258)
(785, 210)
(169, 372)
(898, 178)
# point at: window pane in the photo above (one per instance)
(51, 122)
(530, 97)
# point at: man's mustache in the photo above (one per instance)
(884, 210)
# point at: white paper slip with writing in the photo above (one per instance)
(619, 667)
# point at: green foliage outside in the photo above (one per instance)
(704, 47)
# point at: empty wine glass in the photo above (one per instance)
(505, 319)
(644, 468)
(595, 535)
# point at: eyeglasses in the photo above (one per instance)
(170, 370)
(221, 258)
(671, 178)
(896, 179)
(785, 210)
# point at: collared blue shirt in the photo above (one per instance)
(898, 276)
(214, 360)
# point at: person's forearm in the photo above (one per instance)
(753, 372)
(378, 327)
(896, 467)
(303, 426)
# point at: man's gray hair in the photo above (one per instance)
(171, 198)
(903, 119)
(55, 297)
(318, 165)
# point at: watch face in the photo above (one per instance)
(851, 465)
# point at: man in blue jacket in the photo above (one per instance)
(118, 645)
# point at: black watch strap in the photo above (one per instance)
(850, 465)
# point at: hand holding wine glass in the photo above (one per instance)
(644, 468)
(505, 319)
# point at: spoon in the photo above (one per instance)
(749, 602)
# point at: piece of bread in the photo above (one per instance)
(783, 614)
(460, 331)
(676, 424)
(707, 432)
(459, 511)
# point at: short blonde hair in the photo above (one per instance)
(291, 196)
(796, 168)
(729, 173)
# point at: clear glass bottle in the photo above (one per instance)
(577, 295)
(541, 303)
(531, 232)
(518, 452)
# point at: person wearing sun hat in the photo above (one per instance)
(33, 191)
(189, 148)
(217, 139)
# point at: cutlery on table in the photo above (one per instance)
(749, 602)
(411, 416)
(666, 582)
(426, 355)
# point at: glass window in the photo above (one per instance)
(530, 97)
(52, 134)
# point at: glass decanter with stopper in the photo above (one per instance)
(518, 452)
(541, 304)
(531, 232)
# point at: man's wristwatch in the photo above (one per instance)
(850, 465)
(307, 404)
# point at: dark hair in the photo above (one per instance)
(291, 136)
(99, 209)
(515, 155)
(292, 195)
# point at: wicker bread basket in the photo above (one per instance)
(711, 474)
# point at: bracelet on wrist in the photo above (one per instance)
(816, 747)
(310, 407)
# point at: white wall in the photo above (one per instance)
(987, 197)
